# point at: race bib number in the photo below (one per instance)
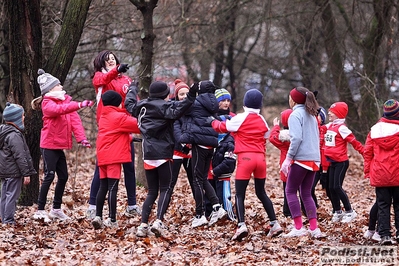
(329, 138)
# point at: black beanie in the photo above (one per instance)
(206, 86)
(111, 98)
(159, 89)
(253, 99)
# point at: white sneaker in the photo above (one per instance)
(296, 232)
(337, 217)
(199, 221)
(317, 233)
(110, 224)
(97, 222)
(349, 217)
(217, 215)
(142, 230)
(275, 230)
(90, 214)
(376, 237)
(132, 211)
(158, 228)
(58, 214)
(41, 214)
(369, 234)
(241, 232)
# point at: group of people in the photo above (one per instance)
(197, 130)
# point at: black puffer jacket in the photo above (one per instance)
(224, 159)
(15, 159)
(196, 130)
(155, 120)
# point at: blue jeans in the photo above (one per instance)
(130, 181)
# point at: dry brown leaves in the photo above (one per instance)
(76, 243)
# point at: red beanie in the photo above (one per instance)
(284, 117)
(180, 85)
(298, 96)
(340, 109)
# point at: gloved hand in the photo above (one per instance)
(193, 89)
(186, 149)
(209, 120)
(285, 167)
(122, 68)
(85, 143)
(86, 103)
(224, 117)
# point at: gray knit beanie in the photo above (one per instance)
(46, 81)
(13, 114)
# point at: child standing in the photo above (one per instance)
(16, 165)
(113, 149)
(60, 122)
(156, 116)
(381, 166)
(302, 160)
(281, 139)
(250, 133)
(203, 139)
(336, 151)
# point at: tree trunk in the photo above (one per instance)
(25, 56)
(145, 70)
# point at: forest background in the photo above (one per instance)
(346, 50)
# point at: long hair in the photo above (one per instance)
(311, 104)
(99, 61)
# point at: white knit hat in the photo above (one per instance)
(46, 81)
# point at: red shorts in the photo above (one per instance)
(249, 163)
(111, 171)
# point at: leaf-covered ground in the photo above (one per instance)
(75, 242)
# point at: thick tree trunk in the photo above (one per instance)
(25, 55)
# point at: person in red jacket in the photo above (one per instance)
(250, 131)
(281, 140)
(109, 76)
(381, 156)
(337, 136)
(113, 150)
(60, 122)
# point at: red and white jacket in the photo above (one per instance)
(113, 80)
(381, 154)
(250, 130)
(114, 137)
(337, 136)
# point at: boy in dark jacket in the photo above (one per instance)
(156, 116)
(16, 165)
(203, 139)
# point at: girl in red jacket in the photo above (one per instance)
(381, 166)
(336, 151)
(60, 122)
(113, 149)
(109, 76)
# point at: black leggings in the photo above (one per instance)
(241, 187)
(158, 180)
(110, 186)
(336, 179)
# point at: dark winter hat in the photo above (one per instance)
(206, 86)
(13, 114)
(284, 117)
(323, 115)
(46, 81)
(253, 99)
(340, 109)
(111, 98)
(159, 89)
(298, 96)
(391, 108)
(179, 84)
(222, 94)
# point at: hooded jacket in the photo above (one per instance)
(15, 159)
(381, 154)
